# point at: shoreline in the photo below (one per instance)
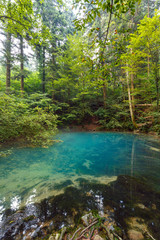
(21, 141)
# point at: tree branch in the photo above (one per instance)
(14, 20)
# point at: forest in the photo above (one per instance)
(83, 62)
(79, 119)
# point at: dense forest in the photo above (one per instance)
(78, 62)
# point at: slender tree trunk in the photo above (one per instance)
(102, 54)
(157, 84)
(104, 94)
(22, 64)
(8, 61)
(148, 67)
(148, 56)
(157, 88)
(130, 100)
(53, 90)
(132, 88)
(132, 91)
(43, 70)
(53, 68)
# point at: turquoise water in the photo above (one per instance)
(29, 175)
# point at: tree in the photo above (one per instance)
(147, 41)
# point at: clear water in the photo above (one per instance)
(29, 175)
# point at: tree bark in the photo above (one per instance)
(22, 64)
(130, 100)
(132, 88)
(8, 62)
(132, 91)
(104, 94)
(157, 86)
(148, 57)
(43, 69)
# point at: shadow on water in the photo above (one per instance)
(128, 196)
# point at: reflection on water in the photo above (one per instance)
(29, 175)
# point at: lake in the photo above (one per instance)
(29, 175)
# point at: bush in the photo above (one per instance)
(18, 118)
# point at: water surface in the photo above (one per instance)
(29, 175)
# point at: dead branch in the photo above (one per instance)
(84, 230)
(62, 233)
(91, 234)
(146, 232)
(117, 236)
(108, 232)
(75, 233)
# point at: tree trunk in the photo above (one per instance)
(130, 101)
(104, 93)
(148, 57)
(22, 64)
(43, 69)
(132, 91)
(157, 86)
(8, 61)
(132, 88)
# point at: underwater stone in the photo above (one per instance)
(51, 226)
(36, 232)
(51, 238)
(97, 237)
(135, 235)
(86, 219)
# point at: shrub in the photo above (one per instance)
(18, 118)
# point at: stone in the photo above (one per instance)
(140, 205)
(87, 218)
(57, 236)
(137, 224)
(97, 237)
(154, 206)
(51, 238)
(135, 235)
(36, 232)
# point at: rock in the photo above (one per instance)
(51, 238)
(135, 235)
(97, 237)
(57, 236)
(87, 218)
(137, 224)
(36, 232)
(140, 205)
(51, 227)
(154, 206)
(62, 233)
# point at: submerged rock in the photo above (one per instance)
(97, 237)
(135, 235)
(87, 218)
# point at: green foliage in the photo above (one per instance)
(94, 9)
(18, 118)
(156, 124)
(115, 116)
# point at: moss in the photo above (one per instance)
(29, 218)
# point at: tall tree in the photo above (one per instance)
(22, 64)
(147, 40)
(8, 61)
